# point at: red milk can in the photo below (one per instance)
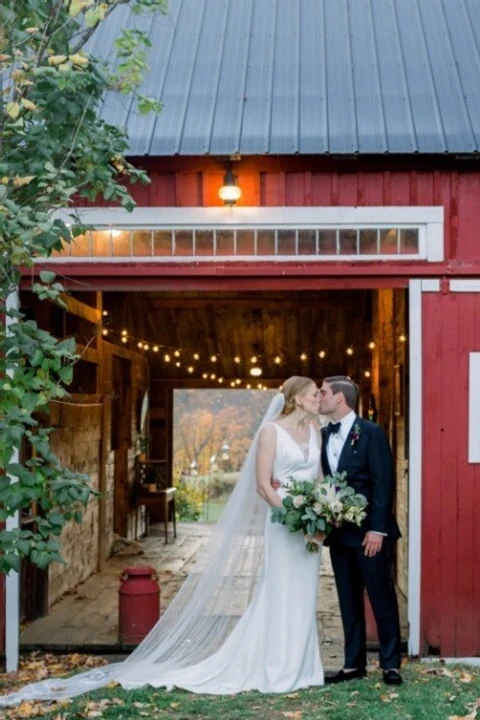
(138, 603)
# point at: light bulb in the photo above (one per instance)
(349, 351)
(155, 348)
(367, 373)
(253, 359)
(232, 384)
(212, 376)
(238, 381)
(303, 356)
(213, 358)
(190, 368)
(177, 364)
(403, 338)
(146, 346)
(322, 354)
(105, 313)
(104, 331)
(177, 353)
(248, 386)
(124, 332)
(204, 376)
(277, 360)
(140, 345)
(371, 345)
(255, 371)
(220, 380)
(124, 339)
(236, 359)
(167, 357)
(196, 356)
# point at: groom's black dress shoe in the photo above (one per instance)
(342, 676)
(392, 677)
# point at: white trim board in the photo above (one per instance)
(415, 466)
(429, 220)
(467, 285)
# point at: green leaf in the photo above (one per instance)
(47, 276)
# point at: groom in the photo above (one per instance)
(362, 556)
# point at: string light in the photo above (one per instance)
(303, 356)
(403, 338)
(255, 371)
(125, 332)
(212, 376)
(237, 382)
(196, 356)
(277, 360)
(105, 331)
(177, 353)
(248, 386)
(167, 357)
(371, 345)
(213, 358)
(236, 359)
(124, 339)
(220, 380)
(140, 345)
(178, 364)
(322, 354)
(146, 346)
(105, 313)
(205, 376)
(254, 360)
(349, 351)
(367, 373)
(190, 369)
(155, 348)
(232, 384)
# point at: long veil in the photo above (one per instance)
(203, 613)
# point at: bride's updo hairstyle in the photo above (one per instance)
(295, 385)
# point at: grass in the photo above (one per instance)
(430, 692)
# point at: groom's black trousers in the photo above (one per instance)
(353, 573)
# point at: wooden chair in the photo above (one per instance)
(152, 491)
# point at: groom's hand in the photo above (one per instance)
(372, 543)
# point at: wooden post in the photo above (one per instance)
(102, 481)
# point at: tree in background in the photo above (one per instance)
(54, 146)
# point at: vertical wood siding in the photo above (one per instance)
(451, 486)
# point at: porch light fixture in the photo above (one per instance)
(255, 371)
(230, 193)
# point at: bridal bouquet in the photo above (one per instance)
(314, 507)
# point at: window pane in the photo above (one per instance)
(307, 242)
(409, 241)
(142, 242)
(204, 242)
(183, 242)
(327, 242)
(245, 242)
(348, 242)
(162, 242)
(388, 242)
(101, 243)
(225, 242)
(286, 242)
(368, 242)
(121, 243)
(265, 242)
(81, 245)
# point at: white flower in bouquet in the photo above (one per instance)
(299, 501)
(317, 508)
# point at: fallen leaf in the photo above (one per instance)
(466, 677)
(297, 715)
(292, 696)
(385, 698)
(470, 716)
(174, 706)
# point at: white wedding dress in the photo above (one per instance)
(274, 646)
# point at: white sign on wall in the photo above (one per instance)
(474, 409)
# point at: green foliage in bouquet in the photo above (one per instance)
(317, 507)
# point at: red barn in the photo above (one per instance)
(353, 132)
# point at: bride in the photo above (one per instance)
(245, 618)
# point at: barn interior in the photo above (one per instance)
(131, 343)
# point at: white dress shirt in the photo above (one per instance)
(336, 441)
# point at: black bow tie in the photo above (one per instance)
(333, 428)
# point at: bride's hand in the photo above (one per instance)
(317, 539)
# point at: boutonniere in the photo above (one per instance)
(355, 435)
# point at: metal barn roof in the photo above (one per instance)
(305, 76)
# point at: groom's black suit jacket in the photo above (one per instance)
(369, 467)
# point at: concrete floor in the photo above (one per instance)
(86, 619)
